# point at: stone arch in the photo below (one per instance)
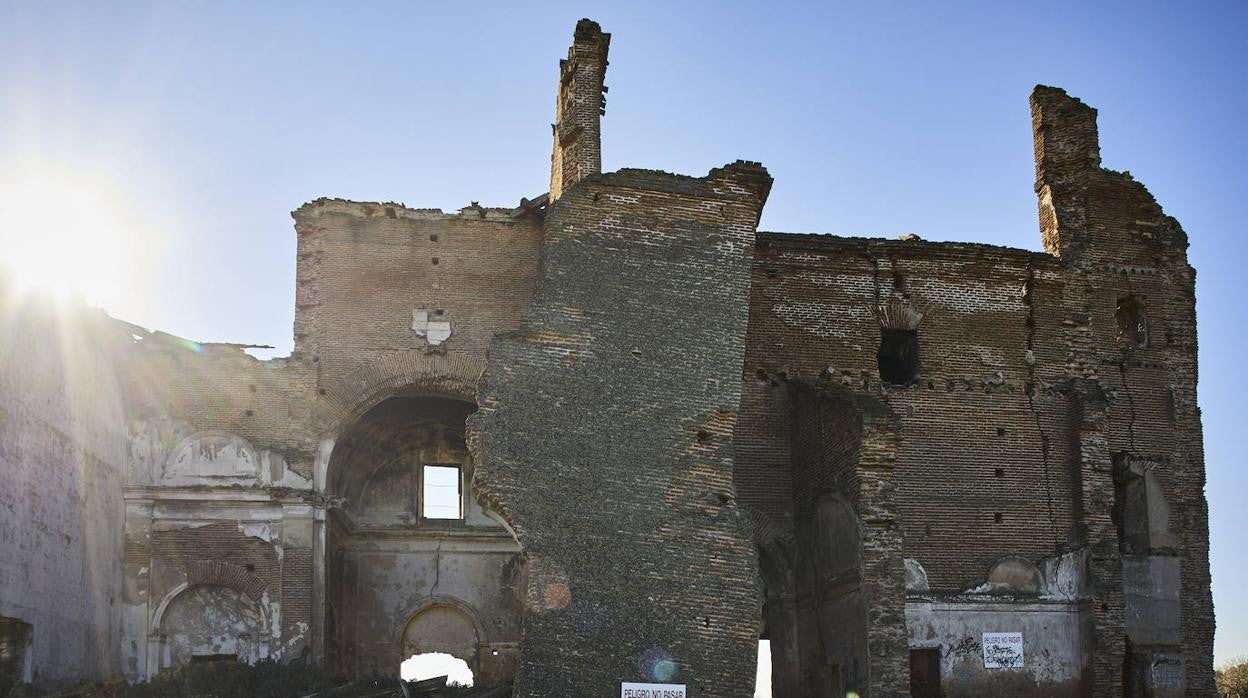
(225, 574)
(208, 620)
(414, 372)
(389, 473)
(443, 624)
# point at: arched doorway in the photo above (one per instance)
(406, 533)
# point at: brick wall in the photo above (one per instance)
(604, 437)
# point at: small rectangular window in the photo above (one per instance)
(440, 493)
(899, 356)
(1132, 321)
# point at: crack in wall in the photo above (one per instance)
(1029, 288)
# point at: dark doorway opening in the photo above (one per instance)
(925, 673)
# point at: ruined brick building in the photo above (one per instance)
(659, 436)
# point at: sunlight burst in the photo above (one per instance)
(64, 236)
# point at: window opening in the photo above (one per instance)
(899, 356)
(1132, 321)
(440, 494)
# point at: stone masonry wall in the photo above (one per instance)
(604, 437)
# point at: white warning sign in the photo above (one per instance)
(652, 690)
(1003, 650)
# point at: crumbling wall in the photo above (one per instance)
(366, 272)
(1046, 384)
(984, 429)
(62, 465)
(604, 437)
(850, 569)
(1130, 341)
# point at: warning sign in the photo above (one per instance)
(1003, 650)
(652, 690)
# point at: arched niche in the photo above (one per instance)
(210, 621)
(213, 456)
(837, 549)
(379, 463)
(1015, 576)
(394, 539)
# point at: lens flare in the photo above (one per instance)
(65, 236)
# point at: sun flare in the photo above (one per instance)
(64, 236)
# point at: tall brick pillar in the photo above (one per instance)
(577, 130)
(604, 438)
(1128, 328)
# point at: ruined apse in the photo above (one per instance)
(617, 434)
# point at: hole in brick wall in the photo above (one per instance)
(997, 517)
(249, 413)
(435, 260)
(320, 391)
(433, 237)
(927, 530)
(704, 435)
(1000, 431)
(773, 273)
(1132, 321)
(251, 568)
(999, 472)
(439, 311)
(898, 358)
(899, 281)
(431, 665)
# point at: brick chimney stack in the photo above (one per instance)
(582, 101)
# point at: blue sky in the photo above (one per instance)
(207, 122)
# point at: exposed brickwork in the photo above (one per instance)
(683, 421)
(225, 574)
(633, 390)
(580, 103)
(188, 548)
